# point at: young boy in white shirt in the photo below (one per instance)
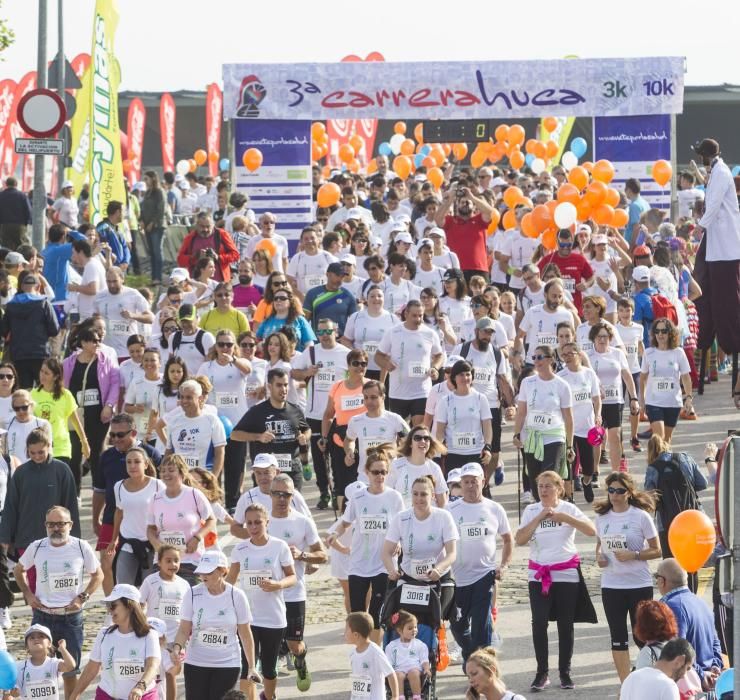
(369, 664)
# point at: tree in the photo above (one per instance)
(7, 35)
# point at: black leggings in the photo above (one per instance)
(205, 683)
(266, 650)
(585, 453)
(358, 588)
(562, 597)
(343, 475)
(618, 602)
(550, 460)
(235, 456)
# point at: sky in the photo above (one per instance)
(164, 45)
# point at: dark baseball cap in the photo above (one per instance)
(186, 312)
(706, 147)
(335, 268)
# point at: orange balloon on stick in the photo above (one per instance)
(568, 193)
(529, 146)
(268, 245)
(509, 220)
(549, 239)
(516, 160)
(495, 218)
(213, 157)
(595, 193)
(419, 132)
(252, 159)
(200, 156)
(588, 166)
(550, 124)
(621, 217)
(603, 215)
(539, 150)
(502, 132)
(511, 196)
(402, 166)
(542, 217)
(407, 147)
(612, 197)
(691, 538)
(356, 142)
(346, 153)
(583, 210)
(318, 129)
(578, 177)
(552, 148)
(662, 172)
(193, 165)
(328, 194)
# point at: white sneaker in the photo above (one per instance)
(454, 651)
(527, 497)
(5, 621)
(497, 641)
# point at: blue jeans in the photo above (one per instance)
(473, 629)
(67, 627)
(155, 237)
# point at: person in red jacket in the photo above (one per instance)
(206, 239)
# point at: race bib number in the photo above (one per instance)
(421, 567)
(373, 524)
(569, 284)
(417, 370)
(213, 638)
(612, 392)
(126, 668)
(351, 403)
(370, 347)
(582, 397)
(414, 595)
(538, 420)
(370, 443)
(662, 385)
(315, 281)
(483, 376)
(463, 441)
(473, 531)
(169, 609)
(174, 538)
(227, 400)
(547, 339)
(631, 350)
(119, 328)
(250, 580)
(325, 378)
(64, 583)
(614, 543)
(285, 462)
(190, 459)
(40, 689)
(89, 397)
(361, 686)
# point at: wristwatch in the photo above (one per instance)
(303, 556)
(84, 597)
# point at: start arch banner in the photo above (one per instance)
(608, 87)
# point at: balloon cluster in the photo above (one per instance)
(200, 157)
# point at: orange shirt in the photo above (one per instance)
(347, 402)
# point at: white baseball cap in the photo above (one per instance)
(641, 273)
(67, 183)
(354, 488)
(355, 213)
(264, 460)
(179, 274)
(123, 590)
(452, 359)
(436, 231)
(471, 469)
(403, 237)
(158, 626)
(43, 629)
(454, 476)
(348, 258)
(139, 187)
(498, 182)
(425, 241)
(210, 561)
(583, 228)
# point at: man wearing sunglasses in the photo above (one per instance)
(576, 272)
(330, 300)
(307, 268)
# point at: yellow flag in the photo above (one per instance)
(79, 127)
(560, 136)
(106, 167)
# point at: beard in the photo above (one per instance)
(465, 209)
(245, 280)
(483, 343)
(56, 537)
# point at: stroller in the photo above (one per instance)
(424, 600)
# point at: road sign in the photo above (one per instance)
(40, 147)
(41, 112)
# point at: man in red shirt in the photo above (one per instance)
(466, 228)
(207, 239)
(575, 271)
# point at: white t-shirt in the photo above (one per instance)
(438, 391)
(130, 370)
(369, 671)
(602, 269)
(256, 563)
(191, 438)
(519, 249)
(608, 367)
(507, 322)
(188, 352)
(541, 327)
(229, 394)
(37, 682)
(687, 201)
(495, 244)
(371, 432)
(93, 272)
(281, 249)
(118, 329)
(447, 259)
(553, 542)
(457, 310)
(467, 332)
(163, 599)
(370, 513)
(649, 683)
(411, 352)
(587, 345)
(403, 474)
(365, 331)
(309, 270)
(398, 295)
(254, 495)
(485, 371)
(545, 401)
(478, 524)
(430, 278)
(214, 642)
(664, 369)
(625, 532)
(463, 417)
(60, 571)
(122, 658)
(144, 392)
(422, 541)
(528, 298)
(631, 336)
(584, 386)
(407, 656)
(256, 379)
(15, 440)
(135, 505)
(67, 211)
(300, 531)
(333, 367)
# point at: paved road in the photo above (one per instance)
(593, 672)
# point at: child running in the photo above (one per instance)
(369, 665)
(408, 655)
(38, 675)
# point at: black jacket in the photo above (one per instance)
(30, 321)
(14, 207)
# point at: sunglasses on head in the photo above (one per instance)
(619, 490)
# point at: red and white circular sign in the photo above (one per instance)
(41, 113)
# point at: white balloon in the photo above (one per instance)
(538, 166)
(182, 167)
(565, 214)
(395, 142)
(569, 160)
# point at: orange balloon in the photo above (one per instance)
(477, 158)
(446, 149)
(541, 217)
(438, 156)
(354, 166)
(268, 246)
(497, 152)
(529, 146)
(621, 217)
(372, 167)
(213, 157)
(516, 134)
(550, 124)
(691, 538)
(588, 166)
(509, 220)
(568, 193)
(603, 215)
(595, 193)
(549, 239)
(517, 160)
(399, 128)
(612, 197)
(578, 177)
(315, 151)
(539, 150)
(502, 132)
(328, 194)
(662, 172)
(356, 142)
(511, 196)
(460, 150)
(326, 171)
(318, 129)
(346, 153)
(419, 132)
(552, 205)
(323, 138)
(495, 218)
(193, 165)
(583, 210)
(603, 170)
(252, 159)
(436, 177)
(528, 226)
(200, 156)
(407, 147)
(429, 162)
(524, 202)
(402, 166)
(552, 148)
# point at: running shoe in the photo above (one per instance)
(302, 674)
(685, 415)
(323, 503)
(604, 459)
(540, 682)
(588, 492)
(636, 446)
(5, 621)
(577, 484)
(566, 682)
(645, 435)
(527, 497)
(498, 475)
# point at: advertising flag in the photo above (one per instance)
(214, 112)
(13, 129)
(135, 133)
(79, 128)
(167, 131)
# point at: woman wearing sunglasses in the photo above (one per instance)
(257, 378)
(368, 515)
(416, 459)
(665, 375)
(8, 384)
(545, 416)
(22, 423)
(626, 539)
(344, 401)
(285, 312)
(275, 282)
(224, 315)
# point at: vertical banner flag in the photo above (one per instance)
(214, 116)
(282, 184)
(135, 132)
(106, 168)
(560, 135)
(79, 125)
(633, 144)
(80, 63)
(167, 131)
(7, 91)
(13, 129)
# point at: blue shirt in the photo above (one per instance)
(304, 332)
(635, 210)
(56, 256)
(644, 312)
(337, 306)
(108, 234)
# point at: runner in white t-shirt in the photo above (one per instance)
(365, 329)
(415, 460)
(307, 268)
(141, 395)
(632, 335)
(516, 251)
(37, 676)
(163, 591)
(93, 277)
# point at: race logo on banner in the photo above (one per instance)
(633, 144)
(282, 184)
(214, 112)
(135, 132)
(167, 131)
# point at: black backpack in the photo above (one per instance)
(465, 351)
(675, 492)
(198, 342)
